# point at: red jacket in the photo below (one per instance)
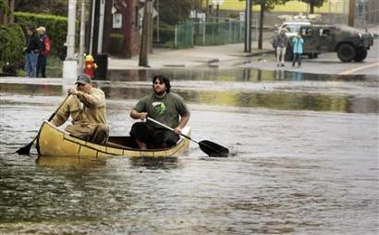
(45, 46)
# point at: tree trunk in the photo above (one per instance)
(261, 18)
(207, 9)
(4, 16)
(351, 13)
(312, 5)
(11, 7)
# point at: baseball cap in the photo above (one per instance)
(83, 79)
(41, 29)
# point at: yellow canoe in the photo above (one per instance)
(53, 141)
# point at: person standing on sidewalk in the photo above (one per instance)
(45, 48)
(297, 45)
(281, 45)
(31, 50)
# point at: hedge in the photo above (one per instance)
(116, 40)
(56, 27)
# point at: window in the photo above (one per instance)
(325, 32)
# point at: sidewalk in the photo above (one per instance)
(190, 57)
(166, 58)
(196, 56)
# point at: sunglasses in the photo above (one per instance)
(79, 84)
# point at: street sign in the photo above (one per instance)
(141, 11)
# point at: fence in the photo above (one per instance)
(208, 33)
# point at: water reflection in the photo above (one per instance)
(277, 89)
(246, 75)
(279, 74)
(285, 176)
(243, 74)
(32, 89)
(280, 100)
(90, 163)
(273, 100)
(155, 163)
(297, 76)
(75, 162)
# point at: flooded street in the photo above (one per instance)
(304, 159)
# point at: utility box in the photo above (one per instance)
(102, 66)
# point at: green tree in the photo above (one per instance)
(11, 39)
(11, 44)
(313, 4)
(172, 12)
(53, 7)
(4, 8)
(266, 5)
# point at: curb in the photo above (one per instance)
(260, 53)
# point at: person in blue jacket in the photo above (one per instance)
(297, 45)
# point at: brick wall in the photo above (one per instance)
(122, 42)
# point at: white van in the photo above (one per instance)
(292, 27)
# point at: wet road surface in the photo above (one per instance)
(326, 63)
(304, 160)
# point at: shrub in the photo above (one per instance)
(116, 41)
(12, 41)
(56, 27)
(166, 34)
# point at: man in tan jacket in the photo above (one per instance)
(86, 106)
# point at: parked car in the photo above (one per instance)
(350, 43)
(292, 27)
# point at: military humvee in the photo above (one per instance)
(349, 43)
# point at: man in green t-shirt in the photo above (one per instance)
(165, 107)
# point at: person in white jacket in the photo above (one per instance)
(281, 46)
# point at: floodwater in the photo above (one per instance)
(304, 160)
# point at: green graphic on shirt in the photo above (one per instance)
(160, 109)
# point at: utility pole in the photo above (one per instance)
(101, 27)
(70, 66)
(82, 37)
(351, 13)
(217, 11)
(248, 26)
(158, 36)
(207, 10)
(218, 3)
(92, 29)
(145, 37)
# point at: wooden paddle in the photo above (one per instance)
(26, 149)
(208, 147)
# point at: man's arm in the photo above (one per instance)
(138, 115)
(183, 122)
(62, 114)
(94, 99)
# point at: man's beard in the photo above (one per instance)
(159, 93)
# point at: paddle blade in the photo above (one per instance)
(213, 149)
(26, 149)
